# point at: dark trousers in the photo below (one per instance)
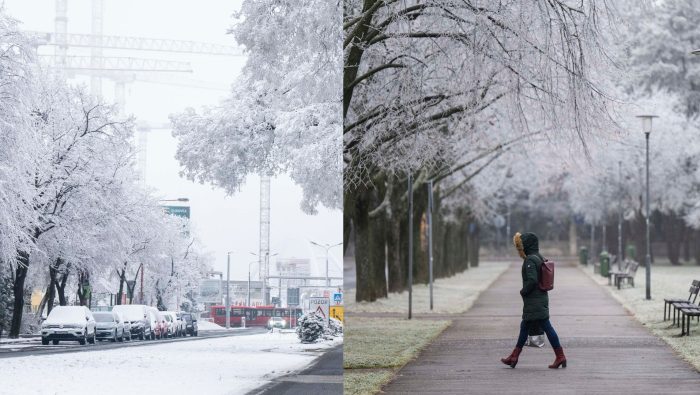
(546, 327)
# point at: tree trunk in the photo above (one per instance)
(61, 288)
(18, 293)
(363, 261)
(397, 274)
(572, 237)
(473, 243)
(672, 228)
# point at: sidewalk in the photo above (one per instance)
(607, 350)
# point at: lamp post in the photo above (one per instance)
(619, 215)
(327, 247)
(249, 263)
(228, 287)
(646, 128)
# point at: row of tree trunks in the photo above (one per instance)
(381, 239)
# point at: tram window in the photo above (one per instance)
(220, 311)
(236, 312)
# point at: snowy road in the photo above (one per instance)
(34, 346)
(223, 365)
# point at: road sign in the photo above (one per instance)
(293, 296)
(320, 306)
(337, 312)
(178, 211)
(337, 298)
(326, 294)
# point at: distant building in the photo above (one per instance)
(293, 267)
(213, 292)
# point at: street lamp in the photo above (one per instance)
(327, 247)
(249, 263)
(646, 128)
(228, 287)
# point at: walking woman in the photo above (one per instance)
(535, 301)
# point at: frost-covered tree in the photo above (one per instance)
(283, 114)
(445, 89)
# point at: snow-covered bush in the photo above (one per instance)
(335, 327)
(310, 328)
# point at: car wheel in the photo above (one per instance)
(141, 335)
(44, 342)
(54, 342)
(84, 339)
(196, 333)
(93, 338)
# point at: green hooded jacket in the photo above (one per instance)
(535, 301)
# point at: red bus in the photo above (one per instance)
(255, 316)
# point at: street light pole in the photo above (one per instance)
(646, 127)
(619, 215)
(430, 240)
(249, 263)
(327, 247)
(228, 287)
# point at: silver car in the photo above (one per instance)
(108, 326)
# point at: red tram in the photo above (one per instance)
(255, 316)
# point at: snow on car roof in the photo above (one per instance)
(66, 315)
(130, 312)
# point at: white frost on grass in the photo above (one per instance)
(451, 295)
(226, 365)
(666, 282)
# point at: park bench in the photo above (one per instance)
(620, 269)
(677, 303)
(631, 271)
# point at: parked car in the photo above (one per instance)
(68, 323)
(158, 323)
(138, 317)
(190, 324)
(276, 322)
(127, 325)
(109, 326)
(169, 323)
(176, 323)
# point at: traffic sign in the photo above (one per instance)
(178, 211)
(320, 306)
(337, 312)
(338, 298)
(293, 296)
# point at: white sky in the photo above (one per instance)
(222, 223)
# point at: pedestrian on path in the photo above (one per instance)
(535, 301)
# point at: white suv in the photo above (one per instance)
(68, 323)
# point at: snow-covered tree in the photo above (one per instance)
(283, 114)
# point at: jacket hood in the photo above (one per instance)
(526, 244)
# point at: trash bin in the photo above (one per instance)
(604, 264)
(631, 252)
(583, 256)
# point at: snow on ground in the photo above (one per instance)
(226, 365)
(666, 282)
(454, 294)
(209, 326)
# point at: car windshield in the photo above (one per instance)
(131, 313)
(187, 317)
(66, 315)
(103, 317)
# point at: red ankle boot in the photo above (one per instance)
(560, 360)
(512, 359)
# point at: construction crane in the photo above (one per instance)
(123, 70)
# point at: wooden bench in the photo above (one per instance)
(676, 303)
(621, 268)
(631, 271)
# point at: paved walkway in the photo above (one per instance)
(607, 350)
(324, 377)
